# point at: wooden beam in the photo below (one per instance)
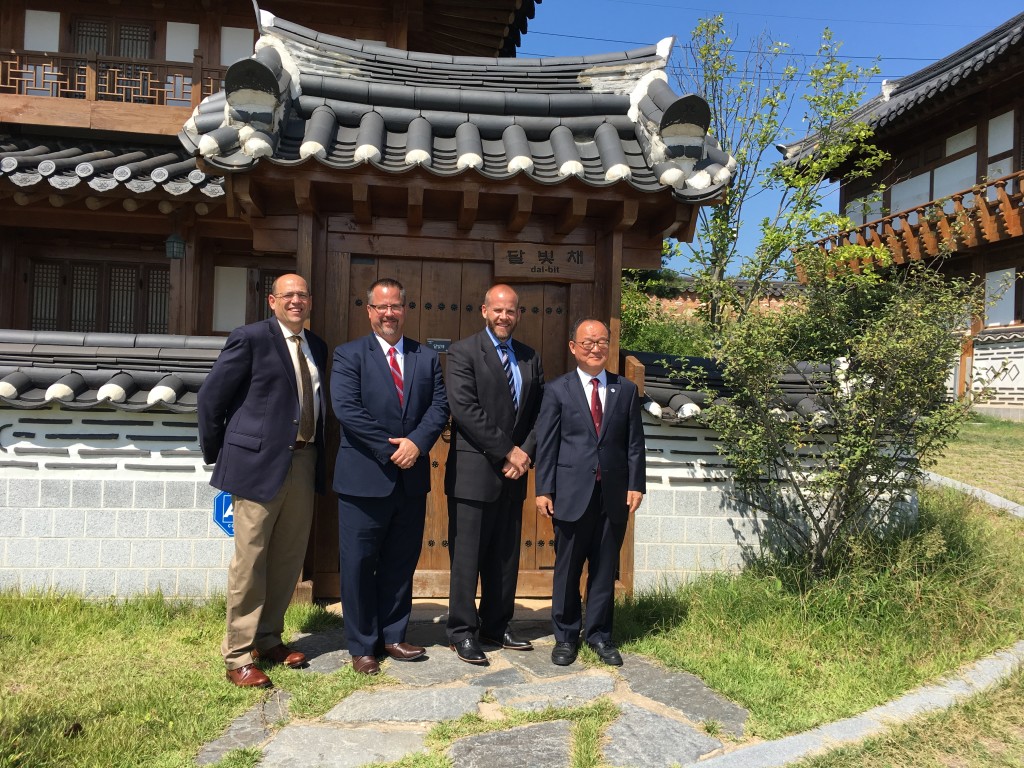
(361, 205)
(414, 206)
(167, 207)
(571, 215)
(1012, 215)
(469, 209)
(670, 220)
(305, 196)
(987, 216)
(132, 204)
(248, 196)
(60, 201)
(96, 203)
(28, 198)
(519, 214)
(625, 216)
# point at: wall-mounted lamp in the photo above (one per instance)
(174, 246)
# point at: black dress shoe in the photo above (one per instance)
(564, 654)
(469, 651)
(607, 652)
(508, 641)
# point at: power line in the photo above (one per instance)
(684, 45)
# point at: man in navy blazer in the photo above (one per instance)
(266, 444)
(591, 476)
(388, 394)
(495, 385)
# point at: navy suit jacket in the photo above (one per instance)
(569, 450)
(366, 403)
(485, 427)
(249, 411)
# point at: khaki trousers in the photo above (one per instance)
(270, 546)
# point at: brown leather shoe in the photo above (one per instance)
(366, 665)
(281, 654)
(249, 677)
(404, 651)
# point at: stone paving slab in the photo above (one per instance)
(387, 705)
(318, 746)
(249, 730)
(441, 665)
(645, 739)
(325, 651)
(576, 691)
(683, 692)
(528, 746)
(538, 662)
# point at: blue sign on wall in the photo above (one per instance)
(223, 513)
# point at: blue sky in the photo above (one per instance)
(905, 35)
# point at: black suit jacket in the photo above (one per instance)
(485, 427)
(569, 450)
(366, 403)
(249, 411)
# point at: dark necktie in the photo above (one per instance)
(595, 405)
(396, 375)
(506, 363)
(306, 427)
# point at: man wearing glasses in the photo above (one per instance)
(388, 394)
(590, 479)
(261, 423)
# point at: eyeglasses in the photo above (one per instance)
(292, 296)
(382, 308)
(589, 345)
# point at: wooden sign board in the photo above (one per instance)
(544, 263)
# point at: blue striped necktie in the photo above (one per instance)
(506, 363)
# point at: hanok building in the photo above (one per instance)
(156, 175)
(955, 130)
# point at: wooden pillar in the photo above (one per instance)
(608, 290)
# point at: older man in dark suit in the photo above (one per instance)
(590, 479)
(261, 422)
(494, 390)
(388, 394)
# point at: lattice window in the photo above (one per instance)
(159, 300)
(122, 299)
(135, 41)
(45, 296)
(85, 286)
(86, 296)
(92, 35)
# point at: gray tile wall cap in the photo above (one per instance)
(962, 70)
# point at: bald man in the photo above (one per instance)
(494, 390)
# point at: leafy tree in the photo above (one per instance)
(871, 352)
(751, 100)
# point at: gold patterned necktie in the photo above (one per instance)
(306, 427)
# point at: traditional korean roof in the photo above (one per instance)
(80, 371)
(605, 119)
(474, 28)
(38, 162)
(936, 86)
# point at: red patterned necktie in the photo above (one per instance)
(396, 375)
(595, 405)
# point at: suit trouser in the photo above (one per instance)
(270, 545)
(483, 538)
(596, 541)
(379, 541)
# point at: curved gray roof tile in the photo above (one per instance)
(345, 103)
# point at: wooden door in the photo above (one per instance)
(443, 301)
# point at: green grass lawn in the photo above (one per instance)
(141, 683)
(988, 454)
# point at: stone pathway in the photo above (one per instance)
(661, 722)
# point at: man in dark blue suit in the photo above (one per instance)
(261, 423)
(388, 394)
(591, 476)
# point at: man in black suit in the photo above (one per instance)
(261, 422)
(388, 394)
(494, 390)
(590, 479)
